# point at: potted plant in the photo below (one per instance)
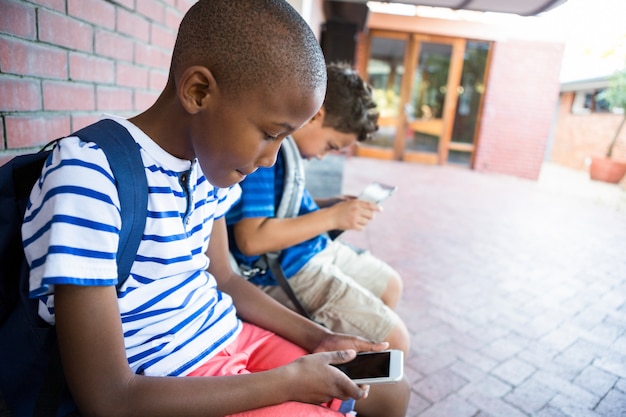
(605, 168)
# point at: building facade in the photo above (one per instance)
(586, 126)
(469, 93)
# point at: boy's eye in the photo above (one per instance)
(267, 136)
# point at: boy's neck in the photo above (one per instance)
(163, 122)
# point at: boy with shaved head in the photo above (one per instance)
(184, 335)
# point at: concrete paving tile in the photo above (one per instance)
(616, 366)
(451, 406)
(571, 392)
(572, 408)
(613, 405)
(617, 318)
(431, 337)
(579, 355)
(495, 406)
(544, 363)
(439, 385)
(469, 372)
(539, 354)
(488, 386)
(560, 338)
(596, 380)
(514, 371)
(423, 322)
(477, 359)
(607, 331)
(417, 405)
(453, 317)
(621, 385)
(550, 412)
(530, 396)
(537, 328)
(502, 349)
(470, 341)
(488, 333)
(411, 373)
(589, 318)
(432, 362)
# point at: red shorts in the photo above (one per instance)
(257, 350)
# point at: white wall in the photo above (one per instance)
(312, 12)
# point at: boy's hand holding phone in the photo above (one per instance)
(358, 212)
(353, 214)
(315, 380)
(375, 367)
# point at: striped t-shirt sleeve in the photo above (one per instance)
(71, 226)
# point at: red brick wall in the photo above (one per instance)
(520, 106)
(65, 62)
(579, 136)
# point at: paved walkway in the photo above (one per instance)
(515, 290)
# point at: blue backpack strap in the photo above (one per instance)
(124, 157)
(33, 384)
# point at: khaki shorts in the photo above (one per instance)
(341, 289)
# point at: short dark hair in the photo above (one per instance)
(249, 44)
(349, 105)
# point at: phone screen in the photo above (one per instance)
(376, 192)
(368, 365)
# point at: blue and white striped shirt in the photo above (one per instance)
(173, 316)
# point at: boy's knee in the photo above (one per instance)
(393, 291)
(386, 400)
(399, 338)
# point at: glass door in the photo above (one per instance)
(424, 111)
(471, 92)
(385, 72)
(429, 91)
(430, 108)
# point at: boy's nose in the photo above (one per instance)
(268, 157)
(321, 155)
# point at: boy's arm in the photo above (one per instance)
(258, 235)
(92, 350)
(255, 306)
(331, 201)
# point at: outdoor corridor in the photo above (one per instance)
(515, 290)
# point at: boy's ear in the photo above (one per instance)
(195, 87)
(319, 116)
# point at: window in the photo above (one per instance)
(587, 101)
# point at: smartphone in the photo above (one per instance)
(375, 367)
(377, 192)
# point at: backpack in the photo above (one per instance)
(31, 376)
(289, 206)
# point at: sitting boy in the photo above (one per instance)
(346, 291)
(244, 75)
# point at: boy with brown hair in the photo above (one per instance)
(348, 291)
(184, 335)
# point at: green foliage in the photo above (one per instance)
(615, 95)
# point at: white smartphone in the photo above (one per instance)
(375, 367)
(377, 192)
